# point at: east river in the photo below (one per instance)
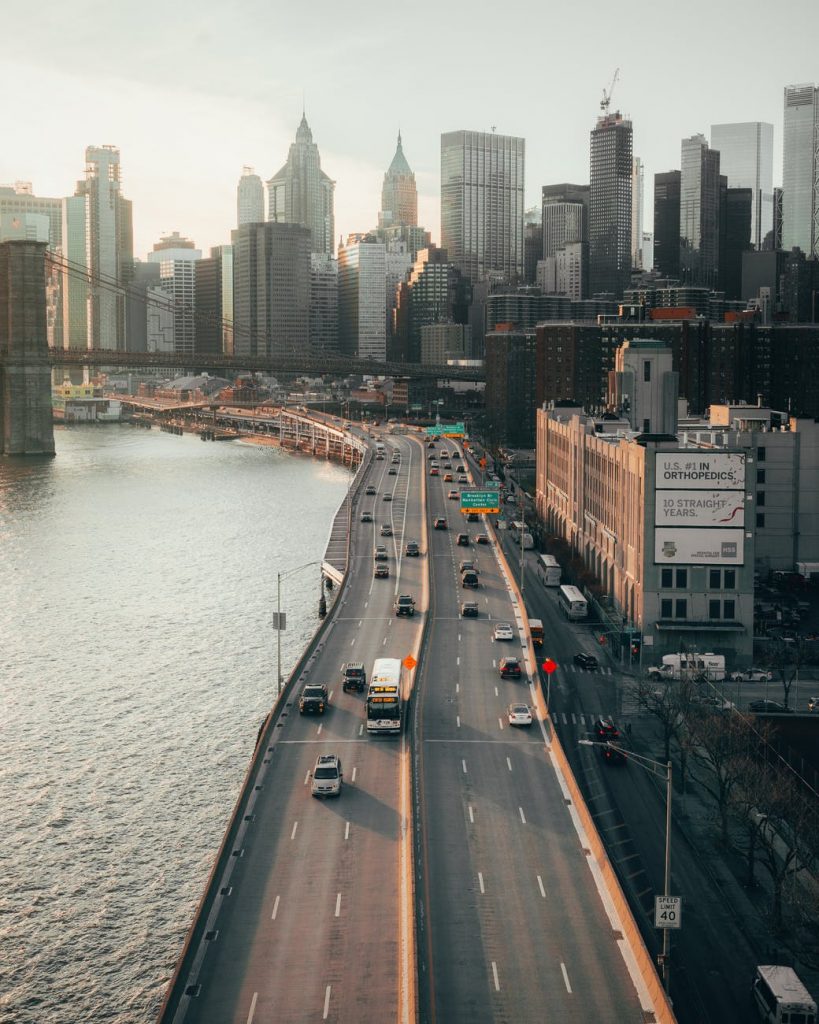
(137, 661)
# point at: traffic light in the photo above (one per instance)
(636, 644)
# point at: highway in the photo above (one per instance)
(511, 924)
(312, 926)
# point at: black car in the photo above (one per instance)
(412, 549)
(313, 700)
(772, 707)
(440, 523)
(509, 668)
(469, 609)
(586, 661)
(353, 677)
(472, 517)
(463, 540)
(607, 733)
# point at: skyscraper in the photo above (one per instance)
(249, 198)
(610, 205)
(214, 301)
(399, 196)
(565, 212)
(177, 258)
(637, 177)
(301, 193)
(667, 224)
(323, 303)
(362, 297)
(800, 170)
(736, 215)
(746, 158)
(482, 203)
(699, 213)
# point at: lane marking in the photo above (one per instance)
(360, 622)
(457, 687)
(275, 909)
(522, 815)
(384, 642)
(347, 830)
(354, 771)
(338, 905)
(566, 978)
(463, 764)
(500, 722)
(471, 815)
(496, 691)
(509, 764)
(326, 1003)
(480, 882)
(459, 638)
(252, 1008)
(318, 731)
(307, 778)
(495, 976)
(458, 720)
(352, 643)
(458, 660)
(293, 833)
(331, 696)
(361, 729)
(540, 886)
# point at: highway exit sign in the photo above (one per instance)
(446, 430)
(480, 501)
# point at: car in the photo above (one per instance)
(381, 571)
(470, 579)
(370, 489)
(771, 707)
(605, 729)
(434, 471)
(430, 444)
(519, 714)
(439, 523)
(467, 566)
(752, 675)
(607, 733)
(388, 496)
(469, 609)
(586, 661)
(453, 495)
(412, 550)
(386, 530)
(509, 668)
(379, 457)
(444, 453)
(447, 465)
(392, 471)
(462, 540)
(503, 631)
(404, 605)
(472, 517)
(447, 478)
(366, 517)
(353, 677)
(380, 553)
(463, 478)
(460, 469)
(327, 776)
(482, 539)
(313, 700)
(813, 703)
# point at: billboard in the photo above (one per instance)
(700, 470)
(698, 546)
(699, 508)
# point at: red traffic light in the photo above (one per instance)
(549, 666)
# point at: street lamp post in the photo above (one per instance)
(280, 620)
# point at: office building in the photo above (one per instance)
(362, 297)
(249, 198)
(442, 341)
(435, 292)
(610, 205)
(18, 200)
(746, 159)
(323, 303)
(532, 243)
(214, 301)
(800, 170)
(637, 202)
(667, 224)
(699, 213)
(176, 257)
(145, 278)
(482, 203)
(525, 308)
(774, 240)
(511, 397)
(301, 193)
(271, 289)
(736, 226)
(399, 195)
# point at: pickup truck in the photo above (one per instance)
(404, 605)
(313, 699)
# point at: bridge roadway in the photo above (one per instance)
(510, 925)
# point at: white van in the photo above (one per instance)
(780, 997)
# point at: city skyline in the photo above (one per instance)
(185, 180)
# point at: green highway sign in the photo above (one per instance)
(480, 501)
(446, 430)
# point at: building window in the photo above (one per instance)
(730, 580)
(646, 426)
(681, 608)
(760, 476)
(665, 608)
(714, 579)
(646, 371)
(714, 608)
(728, 609)
(760, 499)
(760, 520)
(682, 579)
(760, 454)
(667, 578)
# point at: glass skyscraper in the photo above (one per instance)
(746, 159)
(610, 189)
(699, 213)
(301, 193)
(482, 203)
(800, 170)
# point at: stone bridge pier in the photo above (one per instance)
(26, 426)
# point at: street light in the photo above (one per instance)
(280, 620)
(660, 770)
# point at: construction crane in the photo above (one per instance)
(604, 103)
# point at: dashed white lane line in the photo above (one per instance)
(496, 691)
(500, 722)
(354, 771)
(347, 830)
(471, 815)
(360, 730)
(275, 909)
(384, 642)
(459, 638)
(458, 660)
(540, 886)
(458, 720)
(463, 765)
(318, 731)
(566, 978)
(522, 815)
(326, 1002)
(457, 687)
(480, 883)
(352, 643)
(293, 833)
(495, 976)
(338, 905)
(331, 695)
(252, 1008)
(307, 778)
(509, 764)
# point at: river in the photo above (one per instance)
(137, 661)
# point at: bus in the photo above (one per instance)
(780, 996)
(536, 632)
(572, 603)
(549, 571)
(385, 703)
(518, 530)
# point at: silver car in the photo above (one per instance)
(327, 776)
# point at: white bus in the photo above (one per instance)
(779, 996)
(385, 703)
(572, 603)
(518, 530)
(549, 571)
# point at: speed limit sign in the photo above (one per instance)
(667, 911)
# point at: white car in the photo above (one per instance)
(752, 675)
(503, 631)
(519, 714)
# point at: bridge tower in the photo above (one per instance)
(26, 426)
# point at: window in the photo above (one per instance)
(646, 426)
(714, 579)
(667, 578)
(760, 454)
(665, 608)
(729, 609)
(760, 520)
(646, 371)
(714, 608)
(760, 499)
(760, 476)
(730, 579)
(682, 579)
(681, 608)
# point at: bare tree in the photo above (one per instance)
(721, 744)
(668, 702)
(784, 658)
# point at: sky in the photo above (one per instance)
(190, 92)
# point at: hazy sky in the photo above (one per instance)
(192, 91)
